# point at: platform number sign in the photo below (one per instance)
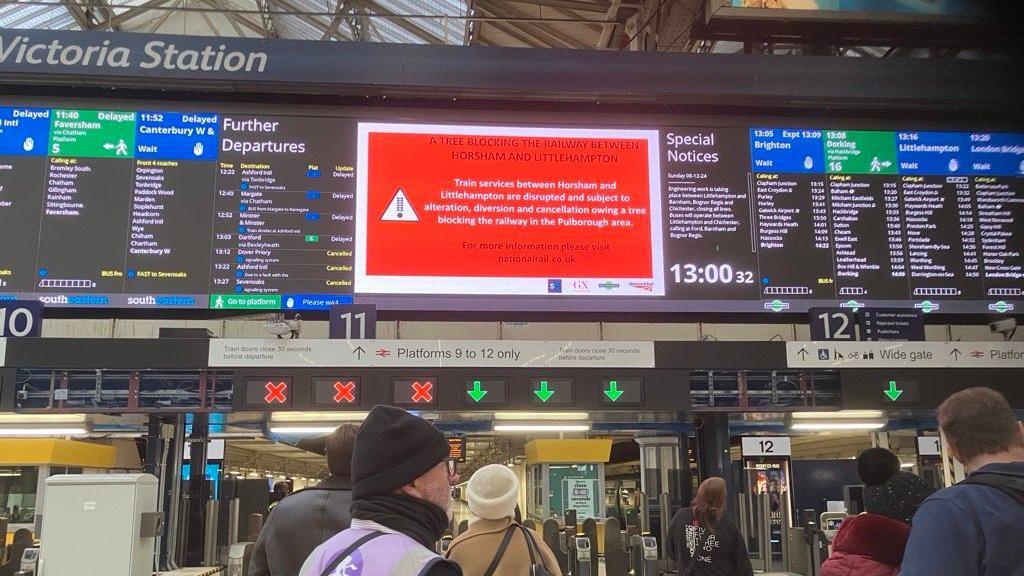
(353, 322)
(833, 324)
(767, 446)
(20, 319)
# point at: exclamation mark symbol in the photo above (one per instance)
(400, 205)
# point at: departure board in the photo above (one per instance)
(151, 207)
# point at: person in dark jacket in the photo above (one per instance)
(872, 543)
(975, 528)
(280, 492)
(401, 502)
(307, 518)
(702, 536)
(22, 541)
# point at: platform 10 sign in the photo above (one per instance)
(20, 319)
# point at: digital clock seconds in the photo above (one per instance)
(710, 274)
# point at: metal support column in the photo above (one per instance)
(198, 491)
(713, 451)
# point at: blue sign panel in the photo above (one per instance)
(313, 301)
(933, 153)
(997, 154)
(787, 150)
(176, 136)
(24, 131)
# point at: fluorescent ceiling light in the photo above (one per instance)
(42, 419)
(318, 417)
(833, 425)
(302, 430)
(526, 427)
(907, 465)
(839, 415)
(577, 416)
(19, 432)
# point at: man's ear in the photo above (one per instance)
(411, 490)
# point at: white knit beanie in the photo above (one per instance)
(493, 492)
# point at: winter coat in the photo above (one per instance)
(867, 545)
(475, 548)
(300, 523)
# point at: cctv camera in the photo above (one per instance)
(1006, 326)
(282, 328)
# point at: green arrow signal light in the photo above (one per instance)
(477, 393)
(613, 393)
(893, 393)
(544, 394)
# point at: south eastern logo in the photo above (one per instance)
(351, 566)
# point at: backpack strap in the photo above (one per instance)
(337, 560)
(1009, 485)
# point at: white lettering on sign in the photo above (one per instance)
(929, 446)
(3, 351)
(104, 54)
(905, 354)
(430, 353)
(766, 446)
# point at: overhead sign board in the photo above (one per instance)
(929, 446)
(457, 448)
(905, 354)
(766, 446)
(891, 324)
(429, 353)
(486, 392)
(336, 392)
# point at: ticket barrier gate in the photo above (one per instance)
(580, 551)
(755, 515)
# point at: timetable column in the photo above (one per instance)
(997, 163)
(85, 213)
(942, 231)
(284, 214)
(870, 257)
(793, 240)
(172, 197)
(23, 136)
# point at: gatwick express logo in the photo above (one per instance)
(153, 55)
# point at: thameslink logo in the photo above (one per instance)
(156, 54)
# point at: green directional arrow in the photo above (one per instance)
(892, 392)
(477, 394)
(544, 394)
(613, 393)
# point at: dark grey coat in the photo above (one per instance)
(300, 523)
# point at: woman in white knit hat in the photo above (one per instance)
(494, 544)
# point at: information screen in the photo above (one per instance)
(151, 208)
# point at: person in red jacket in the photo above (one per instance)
(872, 544)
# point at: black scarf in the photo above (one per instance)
(418, 519)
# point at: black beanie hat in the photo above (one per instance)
(898, 498)
(876, 465)
(392, 449)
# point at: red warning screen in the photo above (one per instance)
(508, 210)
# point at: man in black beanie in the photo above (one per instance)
(401, 502)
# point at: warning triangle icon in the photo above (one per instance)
(400, 210)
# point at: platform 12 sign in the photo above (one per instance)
(767, 446)
(21, 319)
